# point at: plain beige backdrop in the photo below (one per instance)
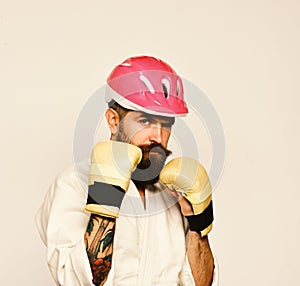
(243, 54)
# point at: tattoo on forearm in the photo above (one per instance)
(99, 246)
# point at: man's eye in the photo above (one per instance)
(144, 121)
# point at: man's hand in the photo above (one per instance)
(185, 205)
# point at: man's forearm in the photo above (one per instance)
(99, 246)
(200, 259)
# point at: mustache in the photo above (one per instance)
(155, 147)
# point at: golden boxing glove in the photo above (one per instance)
(112, 164)
(188, 176)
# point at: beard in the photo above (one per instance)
(153, 160)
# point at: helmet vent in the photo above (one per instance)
(166, 87)
(177, 88)
(147, 83)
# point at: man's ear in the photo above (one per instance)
(113, 120)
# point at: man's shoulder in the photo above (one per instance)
(75, 175)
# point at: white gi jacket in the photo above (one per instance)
(149, 245)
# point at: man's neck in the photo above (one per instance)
(141, 191)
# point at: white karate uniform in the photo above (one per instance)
(149, 243)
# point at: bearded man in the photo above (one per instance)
(138, 221)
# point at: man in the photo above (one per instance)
(149, 221)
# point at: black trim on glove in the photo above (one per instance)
(105, 194)
(201, 221)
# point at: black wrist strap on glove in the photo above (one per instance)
(105, 194)
(201, 221)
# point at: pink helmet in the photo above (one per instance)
(147, 84)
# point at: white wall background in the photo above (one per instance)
(243, 54)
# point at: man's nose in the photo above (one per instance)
(156, 133)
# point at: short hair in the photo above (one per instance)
(118, 108)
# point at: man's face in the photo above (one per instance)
(151, 133)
